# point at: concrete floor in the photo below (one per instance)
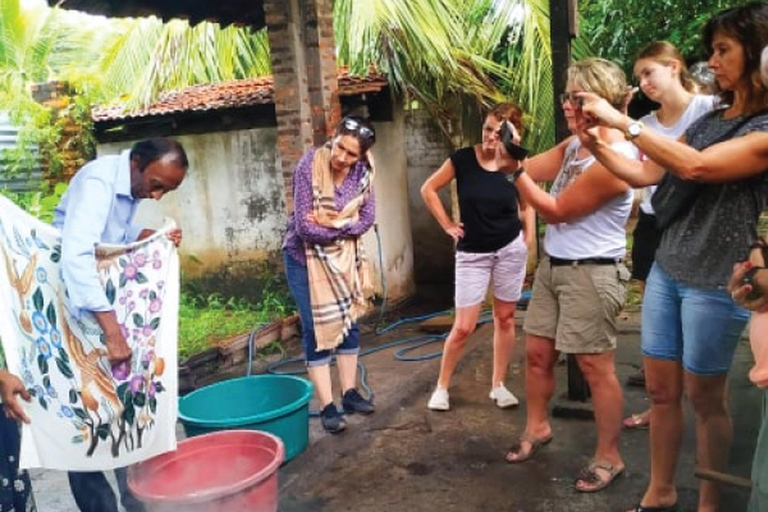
(405, 458)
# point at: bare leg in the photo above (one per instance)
(664, 383)
(463, 327)
(600, 372)
(503, 339)
(714, 431)
(347, 364)
(321, 378)
(541, 357)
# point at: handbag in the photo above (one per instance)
(674, 196)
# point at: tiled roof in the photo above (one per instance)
(227, 95)
(224, 12)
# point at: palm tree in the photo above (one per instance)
(145, 56)
(445, 52)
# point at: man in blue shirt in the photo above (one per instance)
(99, 207)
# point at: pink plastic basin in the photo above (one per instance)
(230, 470)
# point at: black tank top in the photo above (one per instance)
(488, 204)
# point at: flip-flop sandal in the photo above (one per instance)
(640, 508)
(590, 476)
(517, 449)
(637, 422)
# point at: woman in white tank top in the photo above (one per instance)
(580, 284)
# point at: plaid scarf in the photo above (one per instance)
(339, 280)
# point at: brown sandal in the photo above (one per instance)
(590, 476)
(517, 450)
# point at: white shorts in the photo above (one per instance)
(474, 271)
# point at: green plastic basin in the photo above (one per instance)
(278, 404)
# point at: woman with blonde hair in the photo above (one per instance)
(580, 283)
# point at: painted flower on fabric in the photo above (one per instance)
(28, 378)
(55, 337)
(152, 390)
(146, 330)
(130, 271)
(157, 264)
(140, 260)
(67, 411)
(52, 392)
(144, 293)
(41, 275)
(121, 371)
(40, 322)
(137, 383)
(155, 305)
(44, 348)
(148, 357)
(18, 485)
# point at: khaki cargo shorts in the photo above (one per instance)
(577, 305)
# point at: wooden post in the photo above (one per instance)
(563, 27)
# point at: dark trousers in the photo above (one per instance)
(93, 493)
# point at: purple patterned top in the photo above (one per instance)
(301, 230)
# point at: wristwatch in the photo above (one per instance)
(512, 176)
(633, 130)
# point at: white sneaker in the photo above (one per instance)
(439, 401)
(503, 397)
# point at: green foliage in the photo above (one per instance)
(49, 137)
(41, 203)
(204, 320)
(619, 29)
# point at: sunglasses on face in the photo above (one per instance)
(571, 98)
(363, 131)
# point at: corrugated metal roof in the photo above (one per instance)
(20, 181)
(227, 95)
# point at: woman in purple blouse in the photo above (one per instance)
(351, 174)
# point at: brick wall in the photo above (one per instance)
(304, 69)
(72, 151)
(427, 148)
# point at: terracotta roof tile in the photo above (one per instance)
(225, 95)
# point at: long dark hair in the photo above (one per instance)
(747, 24)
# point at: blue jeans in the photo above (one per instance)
(298, 282)
(93, 493)
(698, 327)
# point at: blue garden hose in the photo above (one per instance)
(409, 343)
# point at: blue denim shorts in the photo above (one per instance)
(298, 282)
(698, 327)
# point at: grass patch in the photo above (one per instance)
(205, 320)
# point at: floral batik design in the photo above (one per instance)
(87, 415)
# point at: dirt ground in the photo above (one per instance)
(405, 458)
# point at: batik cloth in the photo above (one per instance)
(87, 415)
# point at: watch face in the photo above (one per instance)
(634, 129)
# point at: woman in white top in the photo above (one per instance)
(663, 77)
(580, 284)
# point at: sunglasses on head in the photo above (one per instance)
(357, 127)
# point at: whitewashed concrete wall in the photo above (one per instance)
(231, 205)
